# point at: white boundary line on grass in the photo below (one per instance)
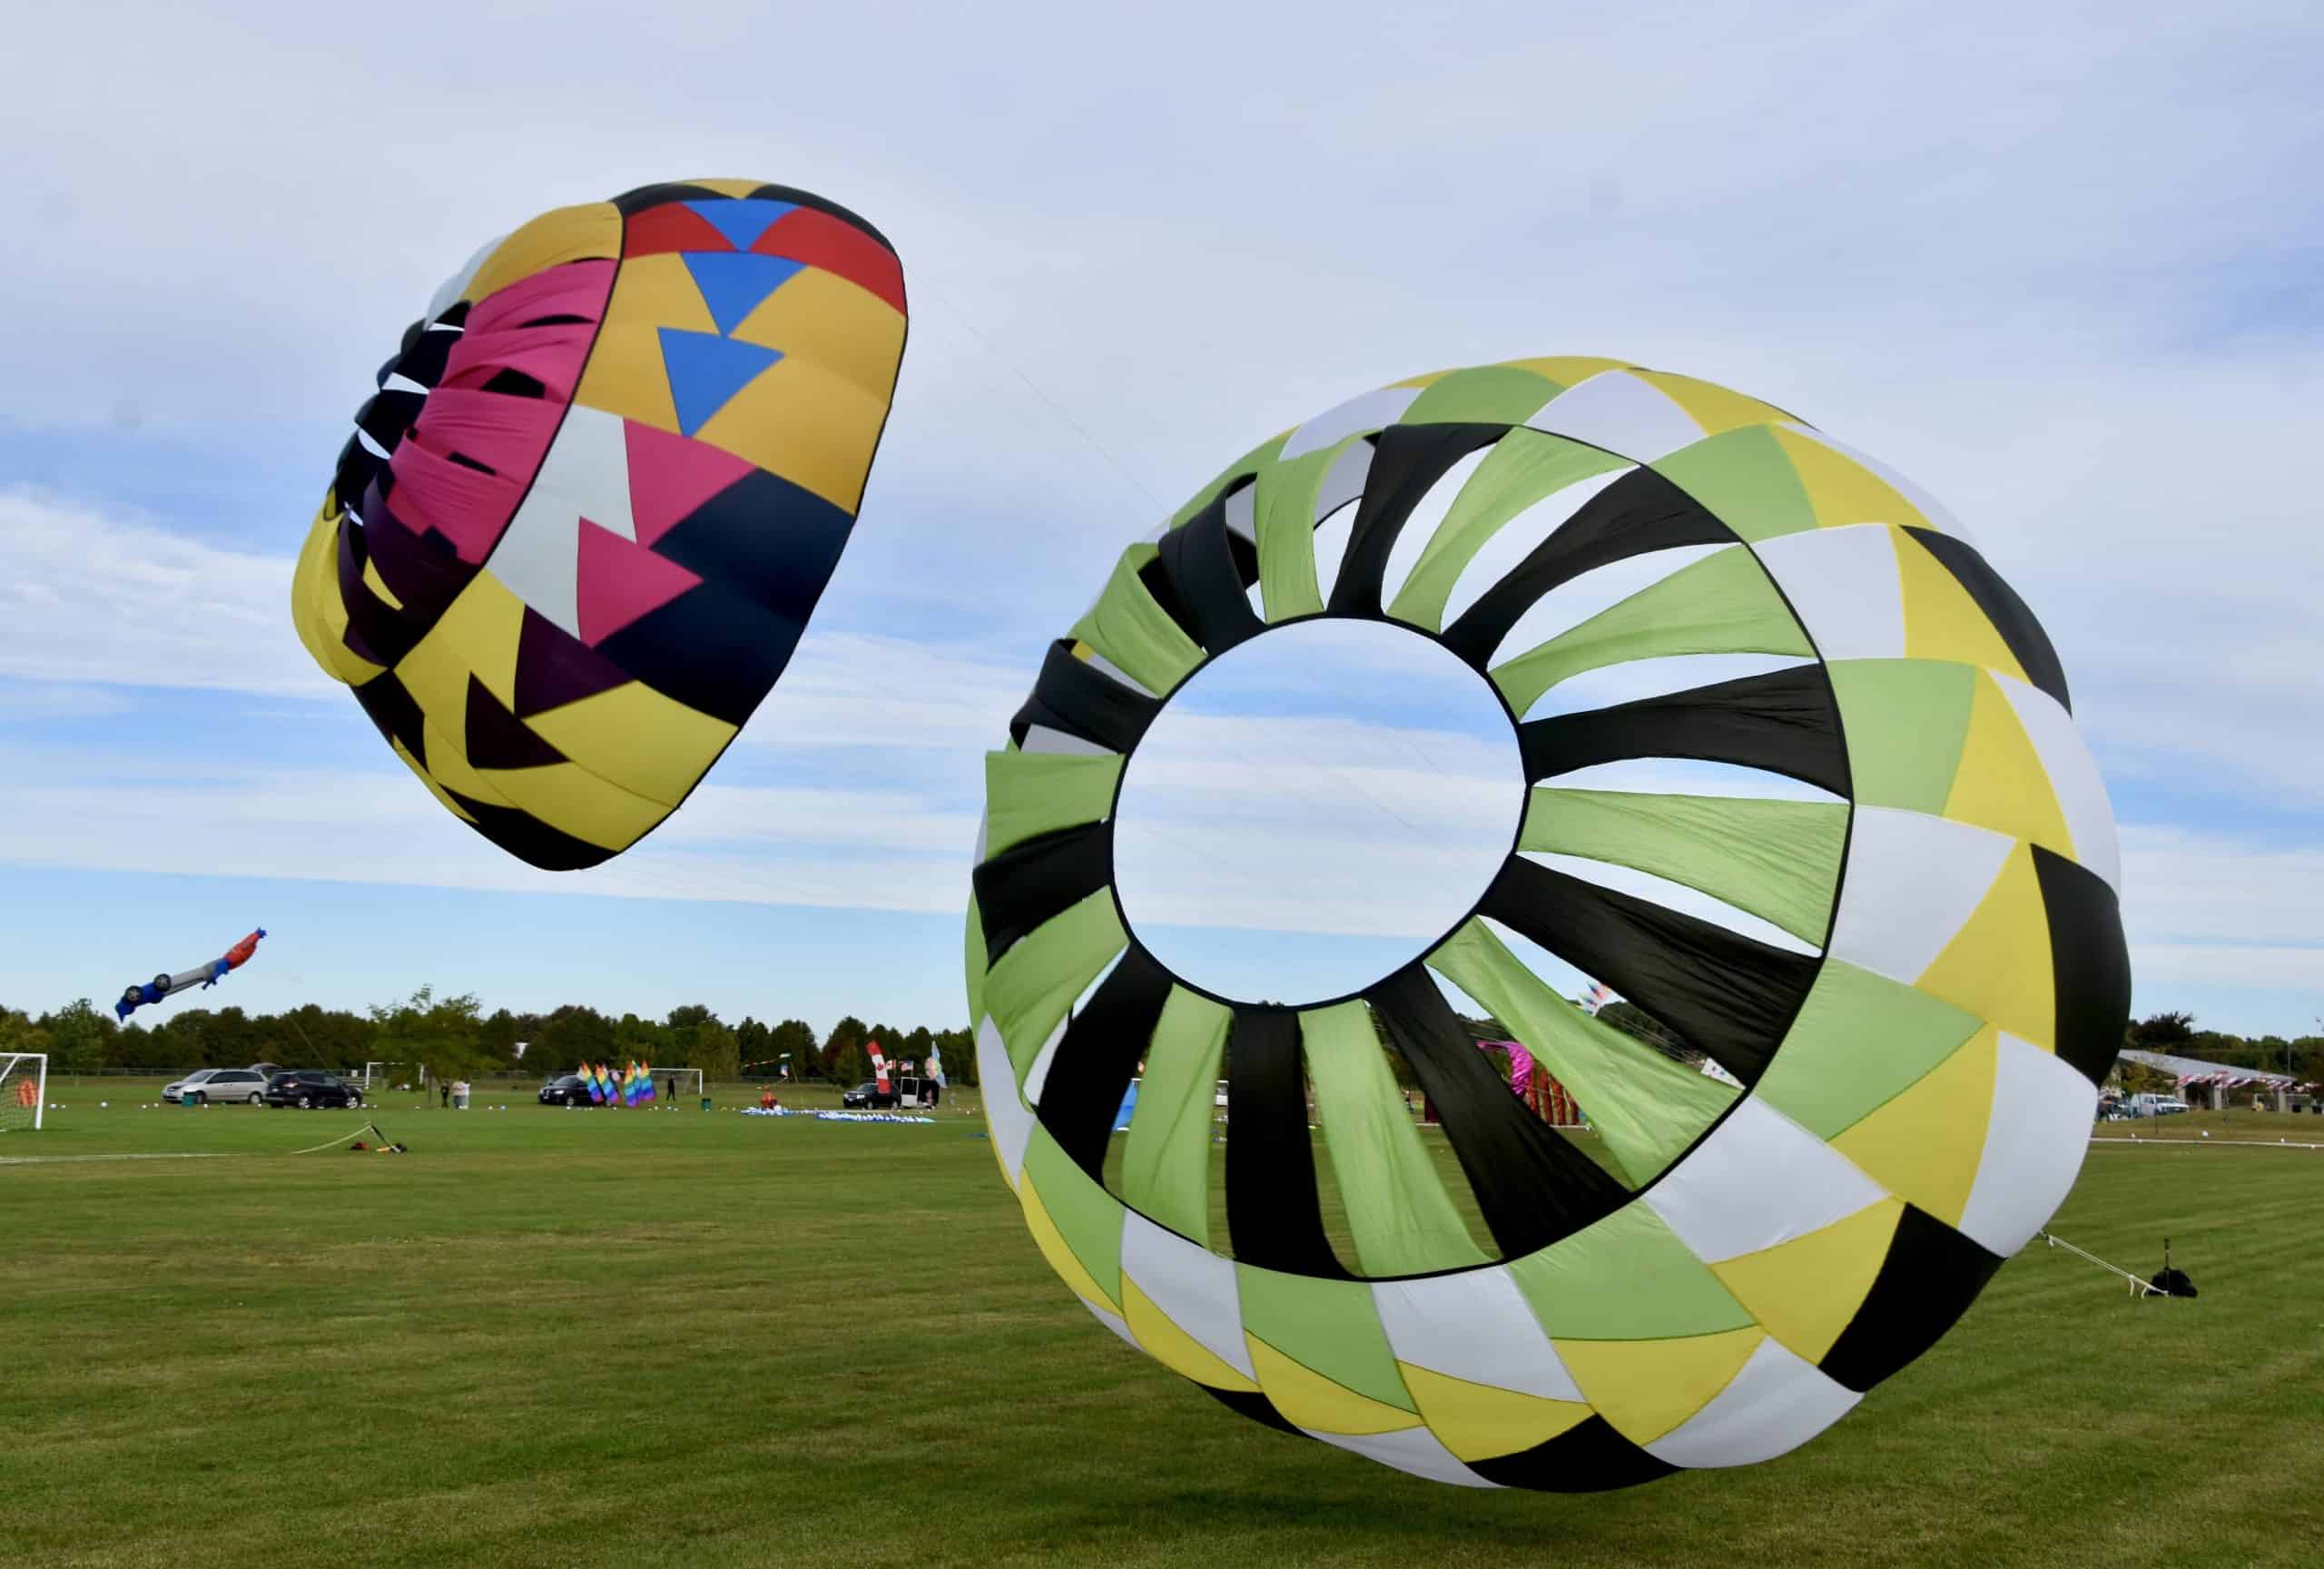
(66, 1159)
(2206, 1143)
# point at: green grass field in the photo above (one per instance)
(594, 1337)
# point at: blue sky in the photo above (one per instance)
(2061, 272)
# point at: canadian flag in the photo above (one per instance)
(878, 1066)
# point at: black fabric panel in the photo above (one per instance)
(710, 648)
(1252, 1404)
(529, 839)
(1784, 722)
(2003, 607)
(1532, 1185)
(2091, 963)
(1639, 512)
(1094, 1065)
(1590, 1457)
(1931, 1275)
(1407, 461)
(1199, 560)
(494, 737)
(1723, 992)
(764, 539)
(374, 629)
(1274, 1213)
(1075, 697)
(396, 712)
(630, 204)
(1030, 883)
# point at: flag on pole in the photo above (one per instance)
(936, 1066)
(596, 1090)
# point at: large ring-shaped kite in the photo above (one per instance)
(1910, 1100)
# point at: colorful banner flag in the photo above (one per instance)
(645, 1084)
(878, 1066)
(596, 1090)
(936, 1066)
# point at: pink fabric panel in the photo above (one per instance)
(469, 508)
(576, 288)
(509, 436)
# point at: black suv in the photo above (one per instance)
(310, 1086)
(572, 1089)
(868, 1096)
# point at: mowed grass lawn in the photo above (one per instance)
(600, 1338)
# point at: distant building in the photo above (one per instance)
(2211, 1086)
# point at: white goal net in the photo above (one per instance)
(24, 1090)
(689, 1086)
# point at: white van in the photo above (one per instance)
(2157, 1105)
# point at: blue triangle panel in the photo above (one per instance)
(743, 220)
(734, 282)
(705, 372)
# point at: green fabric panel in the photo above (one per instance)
(1906, 721)
(1627, 1278)
(1136, 633)
(1282, 522)
(1029, 794)
(1780, 860)
(1087, 1216)
(1256, 461)
(1646, 1107)
(974, 958)
(1029, 990)
(1329, 1325)
(1860, 1040)
(1165, 1165)
(1403, 1221)
(1486, 395)
(1523, 467)
(1746, 480)
(1723, 603)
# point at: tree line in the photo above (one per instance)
(454, 1036)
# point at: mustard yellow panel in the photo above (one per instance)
(1998, 966)
(1714, 408)
(1308, 1399)
(1924, 1144)
(735, 188)
(379, 585)
(483, 625)
(447, 765)
(422, 775)
(592, 231)
(1841, 490)
(1644, 1388)
(1805, 1291)
(822, 317)
(1174, 1347)
(2001, 784)
(1477, 1421)
(633, 737)
(625, 374)
(797, 419)
(568, 796)
(1941, 621)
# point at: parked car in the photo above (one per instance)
(868, 1096)
(572, 1089)
(224, 1085)
(312, 1087)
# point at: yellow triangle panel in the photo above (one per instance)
(2001, 784)
(1805, 1291)
(1174, 1347)
(664, 745)
(1308, 1399)
(1477, 1421)
(1941, 621)
(1714, 408)
(1644, 1388)
(1842, 491)
(1998, 966)
(1923, 1145)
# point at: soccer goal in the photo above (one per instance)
(689, 1082)
(24, 1090)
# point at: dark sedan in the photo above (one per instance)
(868, 1096)
(570, 1090)
(309, 1088)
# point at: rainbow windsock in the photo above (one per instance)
(608, 1090)
(629, 1084)
(589, 1077)
(644, 1083)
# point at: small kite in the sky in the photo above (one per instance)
(210, 974)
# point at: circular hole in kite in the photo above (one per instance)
(1313, 810)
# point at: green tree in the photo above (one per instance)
(798, 1038)
(441, 1035)
(80, 1037)
(845, 1044)
(713, 1048)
